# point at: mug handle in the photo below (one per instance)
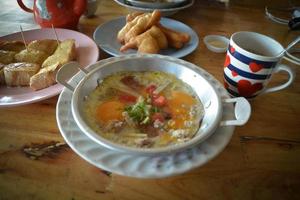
(22, 5)
(282, 67)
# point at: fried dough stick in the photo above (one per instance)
(150, 41)
(132, 16)
(175, 39)
(127, 27)
(138, 25)
(143, 24)
(148, 45)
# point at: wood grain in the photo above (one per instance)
(262, 161)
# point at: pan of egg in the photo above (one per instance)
(148, 104)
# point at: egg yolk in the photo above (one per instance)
(180, 104)
(110, 110)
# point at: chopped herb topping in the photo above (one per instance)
(154, 109)
(139, 112)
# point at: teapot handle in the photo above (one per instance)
(22, 5)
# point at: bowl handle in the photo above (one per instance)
(242, 111)
(66, 72)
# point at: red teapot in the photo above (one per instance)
(59, 13)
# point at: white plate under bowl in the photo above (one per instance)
(157, 166)
(185, 71)
(164, 11)
(105, 37)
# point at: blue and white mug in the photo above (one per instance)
(251, 60)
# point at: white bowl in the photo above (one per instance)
(196, 77)
(216, 43)
(156, 4)
(165, 11)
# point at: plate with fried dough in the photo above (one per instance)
(165, 36)
(27, 74)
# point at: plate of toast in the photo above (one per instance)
(29, 63)
(146, 33)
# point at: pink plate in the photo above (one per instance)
(87, 53)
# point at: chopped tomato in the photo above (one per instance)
(159, 100)
(158, 116)
(126, 98)
(150, 89)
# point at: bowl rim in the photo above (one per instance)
(157, 5)
(134, 150)
(163, 10)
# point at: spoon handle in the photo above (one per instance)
(285, 51)
(289, 56)
(292, 43)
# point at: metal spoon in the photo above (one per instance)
(290, 45)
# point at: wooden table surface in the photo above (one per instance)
(262, 160)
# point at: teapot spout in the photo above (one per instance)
(79, 7)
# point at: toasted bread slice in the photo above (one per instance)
(16, 46)
(45, 77)
(31, 56)
(19, 74)
(48, 46)
(64, 53)
(7, 57)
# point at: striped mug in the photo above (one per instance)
(251, 60)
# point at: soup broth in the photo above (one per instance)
(144, 109)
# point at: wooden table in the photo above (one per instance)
(262, 161)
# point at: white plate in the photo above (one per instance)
(105, 36)
(165, 11)
(157, 4)
(141, 166)
(87, 53)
